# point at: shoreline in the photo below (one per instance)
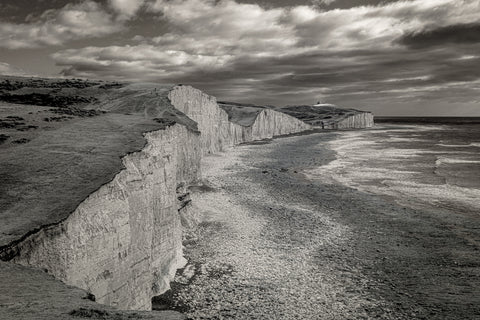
(413, 170)
(277, 245)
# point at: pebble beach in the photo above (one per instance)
(275, 243)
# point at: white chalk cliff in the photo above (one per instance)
(328, 116)
(123, 243)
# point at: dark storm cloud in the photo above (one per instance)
(363, 78)
(452, 34)
(324, 4)
(20, 10)
(276, 52)
(391, 75)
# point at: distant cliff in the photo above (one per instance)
(98, 189)
(330, 117)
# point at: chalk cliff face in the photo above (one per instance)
(270, 123)
(217, 132)
(123, 242)
(316, 116)
(212, 122)
(330, 117)
(355, 121)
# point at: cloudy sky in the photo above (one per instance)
(405, 57)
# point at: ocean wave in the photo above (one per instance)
(369, 163)
(441, 160)
(473, 144)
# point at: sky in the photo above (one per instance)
(404, 57)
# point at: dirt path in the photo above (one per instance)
(273, 245)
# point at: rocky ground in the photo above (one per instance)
(274, 245)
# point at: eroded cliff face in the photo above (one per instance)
(124, 242)
(330, 116)
(215, 129)
(217, 132)
(356, 121)
(270, 123)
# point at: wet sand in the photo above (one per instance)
(274, 244)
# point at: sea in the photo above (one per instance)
(416, 161)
